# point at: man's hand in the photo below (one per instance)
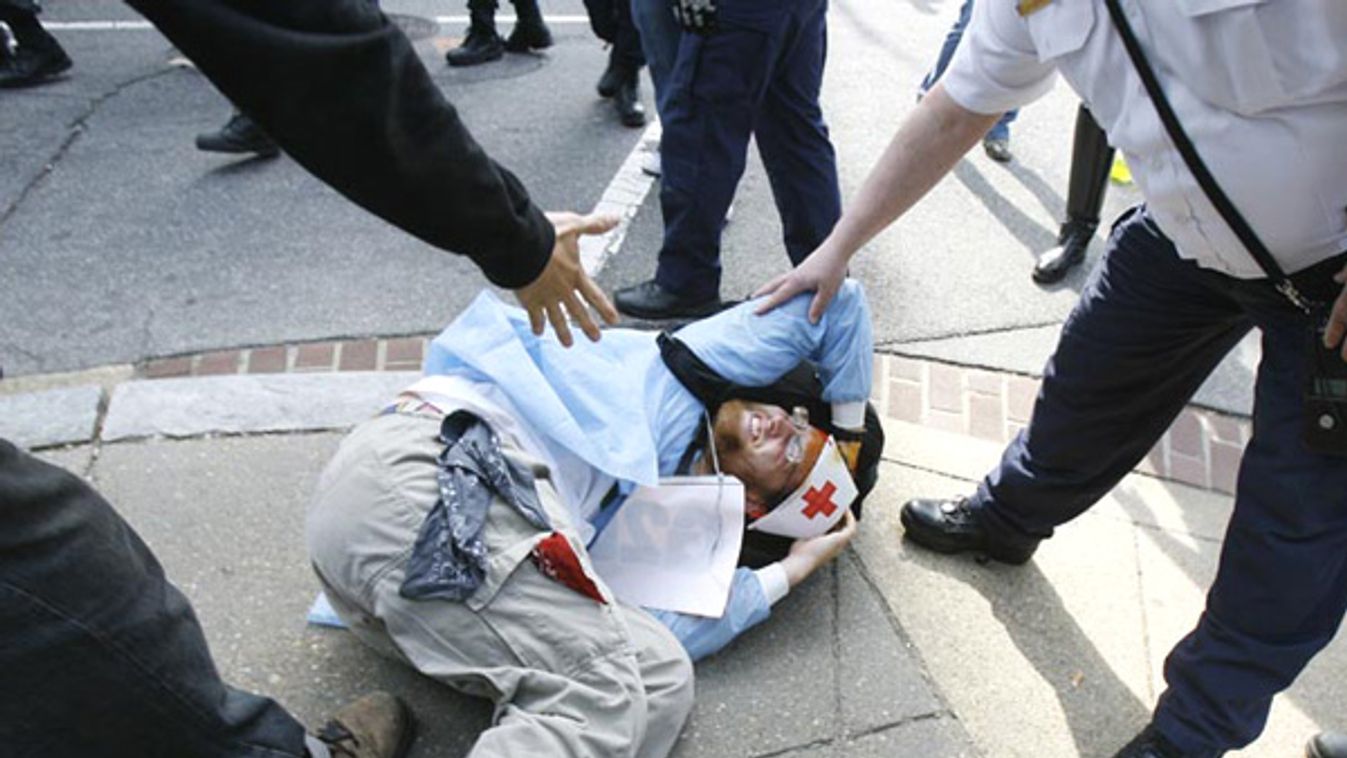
(808, 555)
(1337, 318)
(563, 277)
(821, 273)
(696, 16)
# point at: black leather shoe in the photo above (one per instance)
(997, 149)
(529, 33)
(1072, 243)
(482, 45)
(239, 135)
(952, 526)
(1149, 744)
(609, 80)
(1327, 745)
(33, 64)
(648, 300)
(627, 101)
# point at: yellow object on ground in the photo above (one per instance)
(1120, 173)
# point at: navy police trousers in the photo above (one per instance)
(757, 75)
(1147, 331)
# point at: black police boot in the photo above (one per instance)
(609, 80)
(648, 300)
(39, 57)
(1091, 158)
(529, 33)
(952, 526)
(482, 44)
(1072, 242)
(627, 100)
(1327, 745)
(1149, 744)
(239, 135)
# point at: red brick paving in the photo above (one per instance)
(267, 360)
(221, 362)
(315, 357)
(1202, 447)
(163, 368)
(359, 356)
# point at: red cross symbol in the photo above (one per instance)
(820, 501)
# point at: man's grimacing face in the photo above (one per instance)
(752, 440)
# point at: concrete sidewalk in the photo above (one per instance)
(895, 651)
(228, 324)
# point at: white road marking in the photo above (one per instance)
(125, 26)
(623, 198)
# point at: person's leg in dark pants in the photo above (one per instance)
(100, 651)
(38, 57)
(622, 78)
(481, 44)
(659, 33)
(530, 31)
(1281, 589)
(1147, 331)
(716, 91)
(1091, 159)
(793, 139)
(997, 141)
(100, 654)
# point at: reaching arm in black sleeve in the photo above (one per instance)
(337, 85)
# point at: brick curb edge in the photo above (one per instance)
(1201, 448)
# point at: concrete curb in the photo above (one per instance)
(243, 404)
(336, 384)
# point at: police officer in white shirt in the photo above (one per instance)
(1260, 87)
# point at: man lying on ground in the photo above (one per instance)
(414, 560)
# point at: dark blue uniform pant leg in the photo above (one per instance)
(1147, 331)
(717, 92)
(1281, 588)
(793, 138)
(99, 653)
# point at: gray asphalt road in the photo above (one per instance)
(120, 242)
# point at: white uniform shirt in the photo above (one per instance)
(1260, 87)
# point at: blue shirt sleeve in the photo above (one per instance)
(701, 636)
(754, 351)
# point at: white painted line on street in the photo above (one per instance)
(98, 26)
(623, 198)
(125, 26)
(559, 20)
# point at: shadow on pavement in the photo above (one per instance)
(1100, 710)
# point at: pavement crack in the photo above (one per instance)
(969, 333)
(926, 469)
(76, 128)
(13, 349)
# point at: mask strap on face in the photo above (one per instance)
(715, 458)
(711, 446)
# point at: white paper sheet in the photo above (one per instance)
(674, 547)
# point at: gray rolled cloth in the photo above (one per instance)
(448, 561)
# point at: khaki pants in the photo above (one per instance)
(569, 676)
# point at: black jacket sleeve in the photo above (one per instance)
(340, 88)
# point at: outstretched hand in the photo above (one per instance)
(557, 286)
(1337, 318)
(821, 273)
(807, 555)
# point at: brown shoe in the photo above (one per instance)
(377, 725)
